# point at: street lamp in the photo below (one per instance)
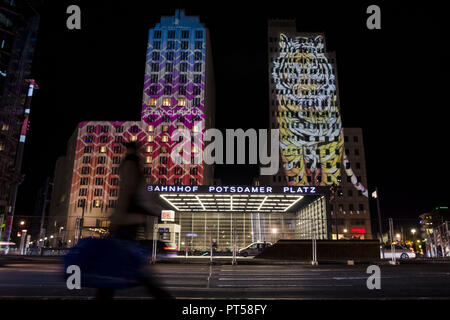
(413, 231)
(22, 223)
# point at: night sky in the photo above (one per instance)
(390, 81)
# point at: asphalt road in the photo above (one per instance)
(42, 278)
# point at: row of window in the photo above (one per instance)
(182, 90)
(172, 34)
(309, 178)
(184, 45)
(309, 41)
(307, 125)
(355, 139)
(351, 207)
(168, 78)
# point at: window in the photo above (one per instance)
(89, 139)
(184, 56)
(197, 78)
(86, 159)
(170, 45)
(194, 171)
(170, 55)
(119, 129)
(183, 67)
(98, 181)
(90, 129)
(355, 139)
(150, 138)
(84, 181)
(154, 67)
(357, 152)
(102, 149)
(157, 45)
(198, 34)
(197, 67)
(196, 90)
(162, 181)
(164, 149)
(165, 128)
(147, 170)
(116, 160)
(193, 181)
(198, 44)
(358, 165)
(361, 207)
(182, 102)
(156, 55)
(350, 193)
(198, 56)
(148, 159)
(133, 138)
(166, 102)
(100, 170)
(345, 138)
(149, 149)
(115, 170)
(351, 207)
(177, 181)
(101, 160)
(178, 171)
(112, 203)
(81, 203)
(171, 34)
(114, 181)
(83, 192)
(196, 102)
(118, 139)
(167, 91)
(163, 160)
(97, 203)
(114, 192)
(185, 34)
(5, 127)
(162, 170)
(157, 34)
(152, 102)
(182, 90)
(154, 78)
(117, 149)
(98, 192)
(184, 45)
(85, 170)
(88, 150)
(165, 138)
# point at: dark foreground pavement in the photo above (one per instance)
(42, 278)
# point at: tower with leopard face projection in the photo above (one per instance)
(305, 107)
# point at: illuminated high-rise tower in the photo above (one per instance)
(178, 96)
(305, 107)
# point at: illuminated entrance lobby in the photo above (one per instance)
(213, 214)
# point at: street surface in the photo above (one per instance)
(42, 278)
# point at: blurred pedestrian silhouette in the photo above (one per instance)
(129, 219)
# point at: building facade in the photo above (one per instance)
(305, 107)
(177, 108)
(19, 23)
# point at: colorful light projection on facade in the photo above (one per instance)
(311, 135)
(174, 88)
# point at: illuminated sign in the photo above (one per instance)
(167, 215)
(359, 230)
(312, 190)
